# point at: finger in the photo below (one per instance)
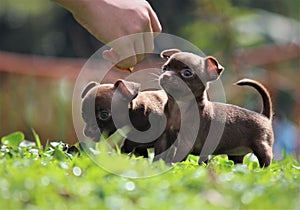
(155, 24)
(127, 63)
(138, 40)
(148, 42)
(127, 53)
(111, 55)
(139, 46)
(122, 52)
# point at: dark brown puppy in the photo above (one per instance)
(235, 131)
(130, 107)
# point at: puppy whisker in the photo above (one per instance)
(154, 80)
(155, 75)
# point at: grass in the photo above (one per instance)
(60, 176)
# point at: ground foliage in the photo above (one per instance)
(60, 176)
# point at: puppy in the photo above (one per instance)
(238, 130)
(123, 99)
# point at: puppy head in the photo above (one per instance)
(97, 102)
(189, 69)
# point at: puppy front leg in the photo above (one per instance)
(203, 159)
(136, 148)
(163, 149)
(236, 158)
(141, 151)
(126, 147)
(184, 147)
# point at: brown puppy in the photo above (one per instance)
(225, 128)
(106, 107)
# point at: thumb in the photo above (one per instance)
(114, 57)
(111, 55)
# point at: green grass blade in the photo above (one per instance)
(37, 140)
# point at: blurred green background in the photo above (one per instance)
(256, 39)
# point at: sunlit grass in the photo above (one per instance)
(60, 176)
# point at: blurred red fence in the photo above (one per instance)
(36, 92)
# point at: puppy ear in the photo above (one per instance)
(127, 88)
(88, 88)
(166, 54)
(213, 68)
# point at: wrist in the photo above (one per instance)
(72, 5)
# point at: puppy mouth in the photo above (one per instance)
(172, 85)
(165, 82)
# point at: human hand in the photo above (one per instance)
(109, 20)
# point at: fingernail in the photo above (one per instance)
(111, 55)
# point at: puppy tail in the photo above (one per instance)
(267, 103)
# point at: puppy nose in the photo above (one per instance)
(165, 78)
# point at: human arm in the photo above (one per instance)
(109, 20)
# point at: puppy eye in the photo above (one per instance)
(165, 68)
(104, 115)
(186, 73)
